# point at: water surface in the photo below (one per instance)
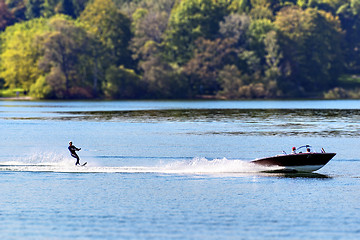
(176, 169)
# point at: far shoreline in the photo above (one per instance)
(199, 98)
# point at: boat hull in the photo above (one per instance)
(301, 162)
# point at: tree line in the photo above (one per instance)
(142, 49)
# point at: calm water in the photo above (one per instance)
(176, 170)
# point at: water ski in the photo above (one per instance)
(84, 164)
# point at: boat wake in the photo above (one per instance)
(193, 166)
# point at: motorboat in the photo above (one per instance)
(307, 161)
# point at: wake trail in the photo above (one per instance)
(193, 166)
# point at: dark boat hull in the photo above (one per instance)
(301, 162)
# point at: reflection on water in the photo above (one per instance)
(248, 115)
(248, 122)
(299, 175)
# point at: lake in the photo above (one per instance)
(176, 170)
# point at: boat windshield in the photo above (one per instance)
(305, 148)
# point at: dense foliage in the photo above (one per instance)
(230, 49)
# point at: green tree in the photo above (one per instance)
(34, 8)
(191, 20)
(162, 80)
(113, 28)
(122, 83)
(273, 58)
(311, 43)
(240, 6)
(350, 23)
(49, 8)
(231, 81)
(154, 6)
(261, 9)
(71, 8)
(235, 26)
(21, 51)
(148, 31)
(41, 89)
(258, 31)
(63, 49)
(210, 57)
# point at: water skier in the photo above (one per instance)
(73, 150)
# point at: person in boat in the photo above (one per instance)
(308, 150)
(293, 150)
(73, 150)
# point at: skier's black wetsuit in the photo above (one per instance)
(73, 150)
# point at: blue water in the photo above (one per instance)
(176, 170)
